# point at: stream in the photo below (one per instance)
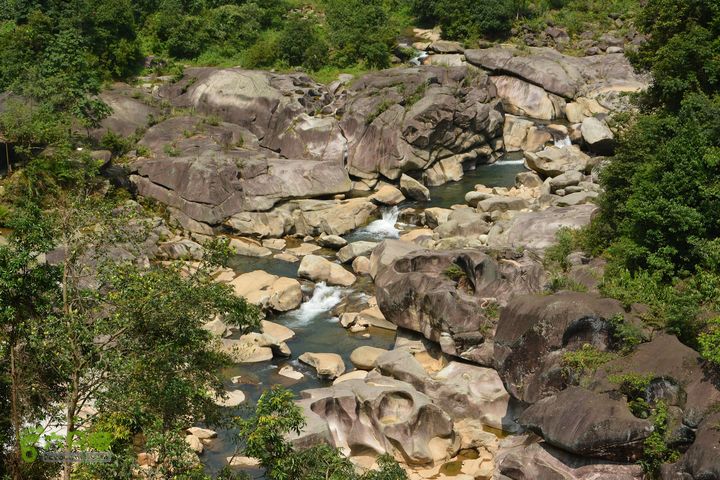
(316, 329)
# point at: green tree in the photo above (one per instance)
(27, 295)
(682, 50)
(471, 19)
(359, 31)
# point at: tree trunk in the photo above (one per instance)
(70, 423)
(15, 416)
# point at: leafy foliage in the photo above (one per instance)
(683, 48)
(710, 342)
(656, 450)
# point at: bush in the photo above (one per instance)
(359, 31)
(710, 342)
(463, 19)
(682, 51)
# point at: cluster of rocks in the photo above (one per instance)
(270, 158)
(268, 155)
(624, 37)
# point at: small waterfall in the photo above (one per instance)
(509, 162)
(419, 59)
(323, 300)
(385, 227)
(563, 142)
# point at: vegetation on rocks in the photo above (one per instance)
(265, 433)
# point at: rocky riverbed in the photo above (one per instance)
(392, 227)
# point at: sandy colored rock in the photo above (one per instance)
(355, 249)
(250, 248)
(413, 189)
(364, 358)
(388, 195)
(328, 365)
(354, 375)
(194, 443)
(319, 269)
(361, 266)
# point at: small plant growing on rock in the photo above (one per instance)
(381, 108)
(625, 336)
(171, 150)
(710, 342)
(579, 364)
(656, 450)
(562, 282)
(455, 273)
(634, 386)
(212, 120)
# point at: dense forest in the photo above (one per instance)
(154, 371)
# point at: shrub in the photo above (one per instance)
(710, 342)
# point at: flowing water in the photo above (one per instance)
(316, 328)
(384, 227)
(563, 142)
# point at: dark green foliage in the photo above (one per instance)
(585, 361)
(455, 272)
(710, 342)
(359, 31)
(472, 19)
(661, 190)
(625, 336)
(634, 387)
(683, 48)
(656, 451)
(556, 255)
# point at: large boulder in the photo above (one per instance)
(554, 161)
(365, 357)
(524, 458)
(319, 269)
(413, 189)
(463, 222)
(327, 365)
(701, 461)
(407, 119)
(276, 223)
(520, 134)
(538, 230)
(562, 75)
(278, 108)
(210, 188)
(269, 291)
(355, 249)
(331, 217)
(380, 415)
(522, 98)
(671, 366)
(445, 295)
(464, 391)
(597, 136)
(589, 424)
(130, 113)
(387, 251)
(534, 331)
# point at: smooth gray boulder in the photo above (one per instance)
(538, 230)
(597, 136)
(413, 189)
(554, 161)
(535, 330)
(444, 294)
(589, 424)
